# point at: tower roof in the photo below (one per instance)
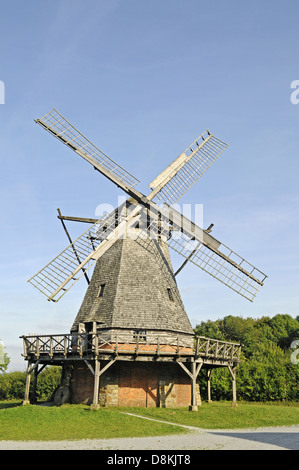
(133, 287)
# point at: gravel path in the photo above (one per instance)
(271, 438)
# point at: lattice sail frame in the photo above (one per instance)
(219, 265)
(63, 130)
(178, 178)
(209, 254)
(58, 276)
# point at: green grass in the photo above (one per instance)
(221, 415)
(72, 422)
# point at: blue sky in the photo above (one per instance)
(142, 79)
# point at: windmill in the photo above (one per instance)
(133, 290)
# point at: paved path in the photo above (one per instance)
(271, 438)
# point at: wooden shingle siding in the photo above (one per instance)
(137, 280)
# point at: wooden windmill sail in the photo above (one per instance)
(209, 254)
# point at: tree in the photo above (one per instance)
(285, 329)
(4, 359)
(266, 371)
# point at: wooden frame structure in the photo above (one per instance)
(95, 349)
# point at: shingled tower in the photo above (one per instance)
(133, 288)
(131, 342)
(121, 297)
(133, 295)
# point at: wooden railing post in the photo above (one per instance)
(81, 339)
(25, 347)
(65, 348)
(207, 346)
(197, 346)
(96, 345)
(36, 347)
(51, 347)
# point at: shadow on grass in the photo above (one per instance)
(9, 404)
(13, 404)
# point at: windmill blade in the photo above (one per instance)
(175, 180)
(64, 270)
(58, 276)
(64, 131)
(224, 265)
(209, 254)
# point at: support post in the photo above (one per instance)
(95, 404)
(30, 369)
(195, 372)
(209, 385)
(33, 397)
(97, 374)
(26, 400)
(233, 374)
(193, 376)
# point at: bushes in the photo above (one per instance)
(12, 385)
(47, 381)
(255, 381)
(266, 372)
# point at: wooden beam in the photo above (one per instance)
(89, 366)
(185, 369)
(107, 366)
(26, 400)
(209, 385)
(95, 404)
(77, 219)
(195, 369)
(30, 369)
(102, 370)
(186, 260)
(232, 373)
(33, 392)
(73, 246)
(193, 388)
(97, 372)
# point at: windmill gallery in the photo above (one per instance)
(131, 342)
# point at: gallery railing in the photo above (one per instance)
(214, 348)
(84, 344)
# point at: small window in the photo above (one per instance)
(139, 334)
(101, 290)
(170, 295)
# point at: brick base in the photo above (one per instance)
(133, 384)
